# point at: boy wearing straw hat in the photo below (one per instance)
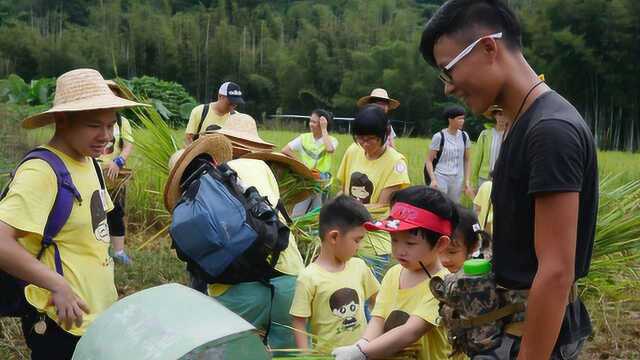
(72, 282)
(380, 98)
(215, 113)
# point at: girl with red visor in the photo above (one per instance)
(421, 225)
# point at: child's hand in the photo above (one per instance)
(351, 352)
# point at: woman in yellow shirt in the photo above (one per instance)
(371, 172)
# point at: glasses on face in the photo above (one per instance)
(445, 73)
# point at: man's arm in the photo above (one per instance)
(468, 190)
(326, 139)
(15, 260)
(555, 237)
(429, 164)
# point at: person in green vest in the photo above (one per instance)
(315, 149)
(488, 148)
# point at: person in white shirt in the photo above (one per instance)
(448, 162)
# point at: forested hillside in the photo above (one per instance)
(297, 55)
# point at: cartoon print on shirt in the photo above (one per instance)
(345, 304)
(395, 319)
(99, 218)
(361, 188)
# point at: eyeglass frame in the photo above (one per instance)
(445, 72)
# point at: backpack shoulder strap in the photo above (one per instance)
(98, 169)
(62, 205)
(465, 137)
(441, 141)
(205, 111)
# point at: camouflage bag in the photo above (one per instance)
(474, 310)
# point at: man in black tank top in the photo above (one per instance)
(545, 189)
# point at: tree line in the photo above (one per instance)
(292, 56)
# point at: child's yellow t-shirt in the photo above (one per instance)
(212, 118)
(396, 305)
(257, 173)
(83, 241)
(364, 180)
(334, 302)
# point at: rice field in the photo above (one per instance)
(616, 319)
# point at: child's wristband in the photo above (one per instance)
(119, 161)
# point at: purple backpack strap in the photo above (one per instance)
(62, 205)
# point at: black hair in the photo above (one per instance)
(430, 199)
(342, 213)
(327, 115)
(342, 297)
(453, 111)
(469, 228)
(470, 19)
(371, 120)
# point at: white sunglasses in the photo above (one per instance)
(445, 74)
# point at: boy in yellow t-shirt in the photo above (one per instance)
(72, 282)
(331, 292)
(421, 224)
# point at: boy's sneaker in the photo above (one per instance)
(122, 258)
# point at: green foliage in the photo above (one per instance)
(15, 90)
(298, 55)
(167, 97)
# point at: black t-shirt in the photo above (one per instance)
(549, 149)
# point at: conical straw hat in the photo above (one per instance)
(79, 90)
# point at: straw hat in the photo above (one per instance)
(79, 90)
(378, 94)
(243, 133)
(282, 159)
(124, 93)
(214, 146)
(491, 110)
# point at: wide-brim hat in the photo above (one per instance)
(378, 94)
(244, 131)
(79, 90)
(491, 110)
(284, 160)
(214, 147)
(119, 90)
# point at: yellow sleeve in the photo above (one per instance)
(24, 208)
(194, 119)
(303, 297)
(399, 175)
(428, 310)
(371, 284)
(126, 132)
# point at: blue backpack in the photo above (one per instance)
(12, 301)
(225, 233)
